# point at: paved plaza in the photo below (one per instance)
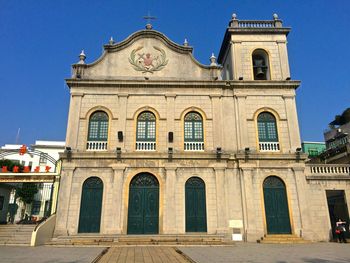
(142, 255)
(247, 252)
(272, 253)
(10, 254)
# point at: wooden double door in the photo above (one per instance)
(196, 215)
(143, 210)
(276, 206)
(91, 206)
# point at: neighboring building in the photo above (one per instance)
(337, 140)
(38, 163)
(158, 143)
(5, 191)
(313, 149)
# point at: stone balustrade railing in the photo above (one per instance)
(328, 169)
(96, 146)
(256, 24)
(145, 146)
(269, 146)
(194, 146)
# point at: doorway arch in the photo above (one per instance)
(143, 209)
(91, 206)
(276, 206)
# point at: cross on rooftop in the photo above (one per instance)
(148, 18)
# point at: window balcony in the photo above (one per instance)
(145, 146)
(96, 146)
(269, 146)
(194, 146)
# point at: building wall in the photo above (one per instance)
(5, 194)
(233, 180)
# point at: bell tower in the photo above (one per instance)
(255, 50)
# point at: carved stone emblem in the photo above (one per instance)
(148, 62)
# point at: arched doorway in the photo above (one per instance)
(91, 206)
(276, 206)
(196, 214)
(143, 211)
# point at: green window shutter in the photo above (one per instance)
(98, 126)
(146, 127)
(193, 127)
(267, 128)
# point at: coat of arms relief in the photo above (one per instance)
(148, 61)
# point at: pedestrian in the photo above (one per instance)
(340, 230)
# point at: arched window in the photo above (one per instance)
(146, 131)
(193, 132)
(261, 65)
(267, 129)
(98, 131)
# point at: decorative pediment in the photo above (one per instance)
(146, 54)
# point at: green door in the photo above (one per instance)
(90, 206)
(143, 211)
(196, 215)
(276, 206)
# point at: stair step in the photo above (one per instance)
(282, 239)
(139, 240)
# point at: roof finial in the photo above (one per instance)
(234, 16)
(275, 16)
(185, 42)
(82, 57)
(213, 60)
(111, 41)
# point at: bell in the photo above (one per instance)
(259, 65)
(260, 73)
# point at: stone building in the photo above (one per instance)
(158, 143)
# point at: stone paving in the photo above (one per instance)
(142, 255)
(256, 253)
(11, 254)
(242, 252)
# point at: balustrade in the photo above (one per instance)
(269, 146)
(329, 169)
(194, 146)
(256, 24)
(96, 146)
(145, 146)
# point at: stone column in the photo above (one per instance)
(117, 188)
(293, 124)
(249, 215)
(236, 59)
(241, 122)
(282, 50)
(306, 226)
(64, 196)
(123, 101)
(170, 111)
(73, 120)
(217, 117)
(169, 204)
(222, 221)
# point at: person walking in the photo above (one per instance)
(340, 230)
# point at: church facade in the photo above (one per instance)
(160, 144)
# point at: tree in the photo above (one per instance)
(10, 164)
(26, 193)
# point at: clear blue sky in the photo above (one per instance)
(40, 39)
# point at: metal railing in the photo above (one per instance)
(269, 146)
(96, 146)
(194, 146)
(145, 146)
